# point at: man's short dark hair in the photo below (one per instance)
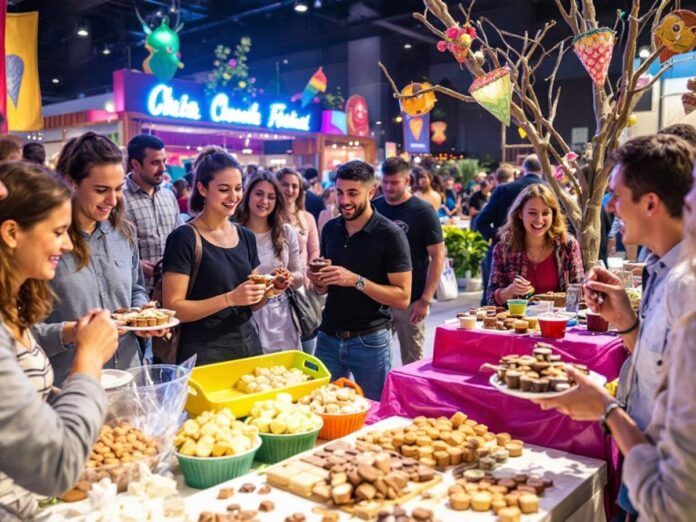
(685, 131)
(531, 164)
(356, 170)
(661, 164)
(394, 165)
(34, 152)
(504, 173)
(9, 144)
(310, 173)
(138, 144)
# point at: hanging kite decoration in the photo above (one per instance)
(458, 41)
(438, 129)
(676, 33)
(420, 104)
(317, 83)
(594, 48)
(163, 46)
(493, 92)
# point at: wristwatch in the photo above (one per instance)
(360, 283)
(607, 411)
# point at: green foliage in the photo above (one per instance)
(468, 168)
(334, 102)
(467, 248)
(233, 72)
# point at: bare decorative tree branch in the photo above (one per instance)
(612, 104)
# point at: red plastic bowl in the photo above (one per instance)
(553, 326)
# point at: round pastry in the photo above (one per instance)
(514, 449)
(460, 501)
(473, 475)
(521, 326)
(497, 505)
(512, 379)
(489, 322)
(481, 501)
(533, 323)
(509, 514)
(526, 383)
(529, 503)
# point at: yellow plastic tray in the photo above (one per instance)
(211, 387)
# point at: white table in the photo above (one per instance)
(576, 495)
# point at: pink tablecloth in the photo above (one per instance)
(464, 351)
(422, 389)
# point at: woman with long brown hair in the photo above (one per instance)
(263, 211)
(215, 307)
(103, 269)
(43, 447)
(535, 252)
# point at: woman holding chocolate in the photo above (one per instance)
(535, 253)
(43, 446)
(103, 268)
(214, 304)
(263, 212)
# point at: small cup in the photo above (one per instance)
(517, 306)
(553, 325)
(596, 323)
(467, 322)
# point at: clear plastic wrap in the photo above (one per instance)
(153, 403)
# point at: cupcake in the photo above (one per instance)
(554, 382)
(521, 326)
(526, 383)
(540, 366)
(503, 315)
(489, 322)
(533, 323)
(540, 385)
(481, 315)
(512, 379)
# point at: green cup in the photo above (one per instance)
(517, 306)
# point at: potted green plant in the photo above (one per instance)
(467, 249)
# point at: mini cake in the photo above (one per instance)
(540, 385)
(526, 383)
(512, 379)
(318, 263)
(521, 326)
(503, 315)
(481, 315)
(489, 322)
(533, 323)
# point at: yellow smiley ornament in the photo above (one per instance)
(417, 105)
(676, 33)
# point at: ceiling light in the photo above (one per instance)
(82, 31)
(399, 119)
(55, 80)
(378, 122)
(644, 52)
(285, 61)
(317, 4)
(106, 51)
(407, 46)
(109, 107)
(300, 6)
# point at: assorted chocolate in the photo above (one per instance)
(444, 442)
(399, 514)
(541, 372)
(499, 318)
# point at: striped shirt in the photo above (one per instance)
(154, 217)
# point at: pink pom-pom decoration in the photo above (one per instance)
(452, 32)
(442, 46)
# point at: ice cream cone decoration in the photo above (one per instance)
(316, 84)
(415, 125)
(594, 48)
(676, 33)
(493, 91)
(417, 105)
(457, 41)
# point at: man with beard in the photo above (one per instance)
(424, 234)
(370, 271)
(150, 206)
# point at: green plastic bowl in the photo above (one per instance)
(275, 448)
(205, 472)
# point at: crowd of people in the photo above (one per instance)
(106, 231)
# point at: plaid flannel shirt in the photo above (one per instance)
(508, 263)
(154, 217)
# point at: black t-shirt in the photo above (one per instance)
(378, 249)
(478, 200)
(221, 270)
(419, 221)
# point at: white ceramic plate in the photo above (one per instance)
(111, 379)
(171, 324)
(501, 387)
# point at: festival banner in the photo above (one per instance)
(22, 72)
(416, 133)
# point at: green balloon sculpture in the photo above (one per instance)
(163, 45)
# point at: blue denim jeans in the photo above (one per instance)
(367, 357)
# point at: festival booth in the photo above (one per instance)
(269, 131)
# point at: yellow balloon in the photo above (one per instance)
(632, 120)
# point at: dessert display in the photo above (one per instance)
(542, 372)
(498, 318)
(280, 416)
(318, 263)
(145, 316)
(419, 514)
(558, 298)
(507, 496)
(215, 434)
(273, 378)
(553, 326)
(444, 442)
(335, 400)
(360, 479)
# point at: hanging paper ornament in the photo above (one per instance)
(438, 129)
(415, 125)
(417, 105)
(677, 33)
(632, 120)
(316, 84)
(493, 91)
(458, 41)
(689, 102)
(163, 45)
(358, 120)
(522, 133)
(643, 81)
(594, 48)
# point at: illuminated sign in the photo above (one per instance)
(279, 119)
(161, 102)
(221, 112)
